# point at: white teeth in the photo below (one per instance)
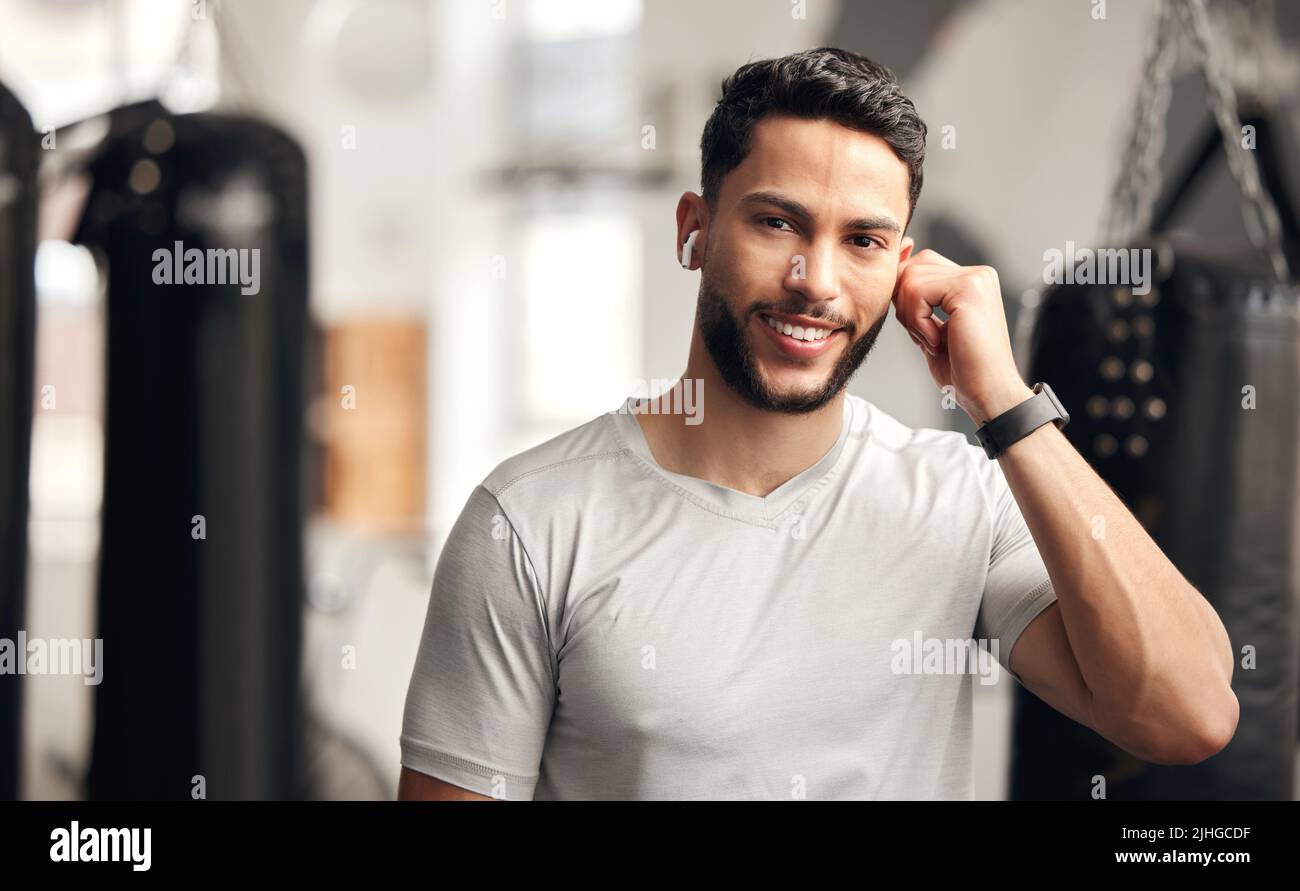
(798, 332)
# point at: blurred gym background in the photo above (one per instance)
(244, 495)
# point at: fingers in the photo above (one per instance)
(929, 257)
(929, 280)
(929, 331)
(912, 308)
(923, 330)
(921, 343)
(920, 287)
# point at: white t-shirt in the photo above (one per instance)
(600, 627)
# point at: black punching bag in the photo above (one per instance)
(18, 148)
(1184, 390)
(200, 583)
(1184, 394)
(1186, 401)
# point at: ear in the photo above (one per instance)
(905, 249)
(904, 253)
(692, 216)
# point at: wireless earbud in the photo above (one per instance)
(688, 247)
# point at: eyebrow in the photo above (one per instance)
(795, 209)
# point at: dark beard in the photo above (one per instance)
(730, 348)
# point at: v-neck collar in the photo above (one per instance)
(761, 510)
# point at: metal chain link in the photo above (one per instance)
(1258, 211)
(1137, 187)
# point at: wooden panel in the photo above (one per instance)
(375, 424)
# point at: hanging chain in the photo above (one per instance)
(1258, 211)
(1137, 185)
(1133, 198)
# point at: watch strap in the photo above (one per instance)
(1017, 422)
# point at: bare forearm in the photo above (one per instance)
(1151, 650)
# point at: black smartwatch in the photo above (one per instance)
(999, 433)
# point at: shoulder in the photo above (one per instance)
(926, 450)
(544, 493)
(554, 465)
(910, 443)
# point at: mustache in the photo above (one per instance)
(803, 309)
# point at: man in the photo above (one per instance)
(649, 606)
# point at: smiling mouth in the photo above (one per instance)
(805, 333)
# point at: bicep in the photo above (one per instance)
(416, 786)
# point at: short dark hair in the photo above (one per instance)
(825, 82)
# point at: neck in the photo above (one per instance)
(736, 445)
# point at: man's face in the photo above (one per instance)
(808, 229)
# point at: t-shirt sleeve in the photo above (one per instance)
(1017, 587)
(479, 703)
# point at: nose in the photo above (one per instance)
(813, 274)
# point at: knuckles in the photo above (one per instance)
(979, 278)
